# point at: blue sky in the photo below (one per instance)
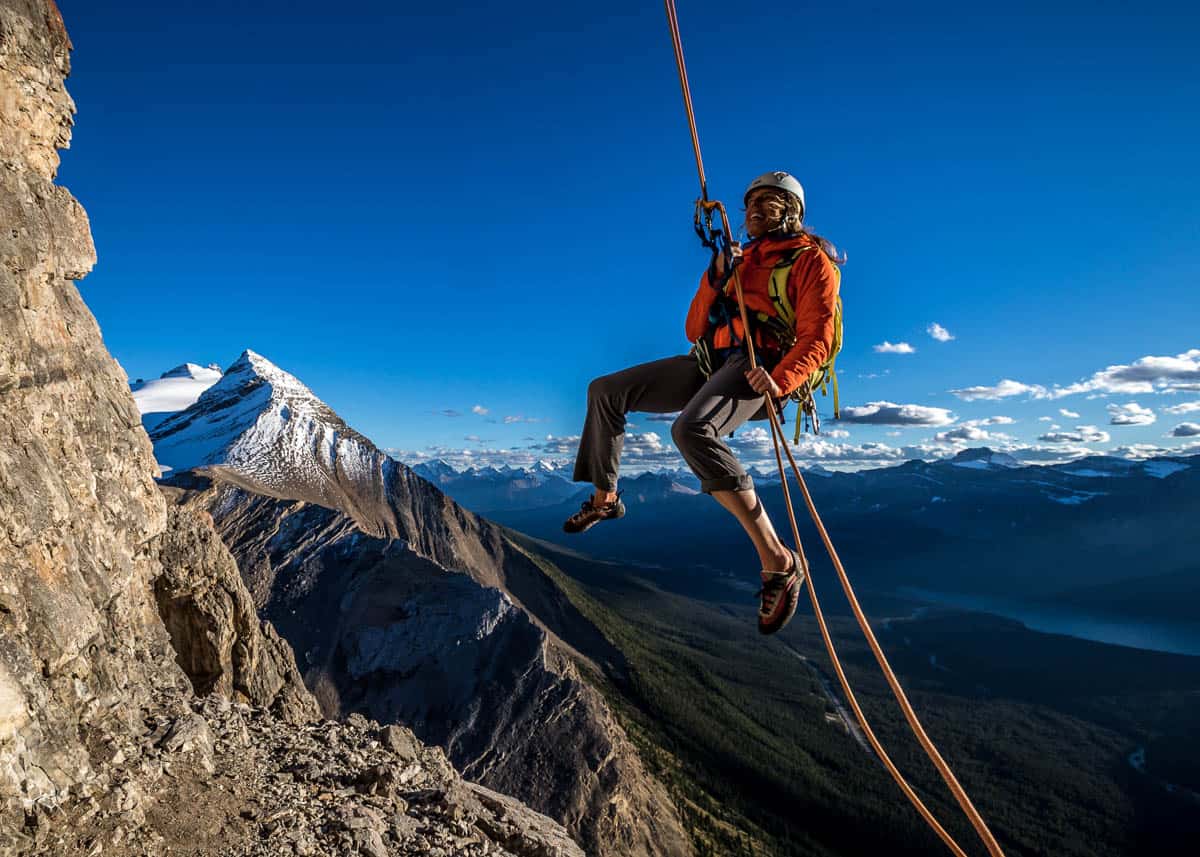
(424, 210)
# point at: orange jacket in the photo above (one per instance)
(812, 290)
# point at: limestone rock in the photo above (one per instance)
(219, 640)
(81, 646)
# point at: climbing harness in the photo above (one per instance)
(707, 232)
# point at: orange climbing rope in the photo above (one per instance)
(910, 715)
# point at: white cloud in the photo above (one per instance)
(479, 409)
(520, 419)
(891, 414)
(643, 451)
(461, 459)
(837, 433)
(1131, 414)
(1045, 419)
(1150, 374)
(962, 434)
(1003, 390)
(1071, 415)
(1150, 450)
(971, 432)
(814, 449)
(1186, 430)
(1141, 450)
(753, 446)
(1048, 454)
(939, 333)
(1182, 408)
(1146, 375)
(886, 347)
(1082, 434)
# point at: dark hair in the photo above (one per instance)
(793, 222)
(827, 247)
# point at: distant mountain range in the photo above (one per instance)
(1105, 533)
(485, 488)
(547, 484)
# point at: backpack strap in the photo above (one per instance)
(777, 286)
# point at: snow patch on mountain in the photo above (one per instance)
(1075, 498)
(173, 391)
(1098, 467)
(1163, 469)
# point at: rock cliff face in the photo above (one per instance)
(218, 638)
(81, 644)
(143, 706)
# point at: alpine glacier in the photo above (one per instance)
(173, 391)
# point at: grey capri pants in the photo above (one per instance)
(709, 409)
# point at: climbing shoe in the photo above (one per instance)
(591, 514)
(779, 595)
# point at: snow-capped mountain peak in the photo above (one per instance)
(263, 424)
(252, 365)
(436, 471)
(212, 372)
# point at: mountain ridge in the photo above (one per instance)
(440, 622)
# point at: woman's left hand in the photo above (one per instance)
(762, 382)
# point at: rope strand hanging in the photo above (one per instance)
(910, 715)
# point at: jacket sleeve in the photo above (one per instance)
(815, 299)
(697, 317)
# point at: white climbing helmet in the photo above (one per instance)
(778, 179)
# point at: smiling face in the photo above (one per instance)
(765, 210)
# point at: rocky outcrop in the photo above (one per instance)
(106, 744)
(218, 638)
(230, 779)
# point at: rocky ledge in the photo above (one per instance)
(232, 779)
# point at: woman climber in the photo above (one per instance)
(713, 387)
